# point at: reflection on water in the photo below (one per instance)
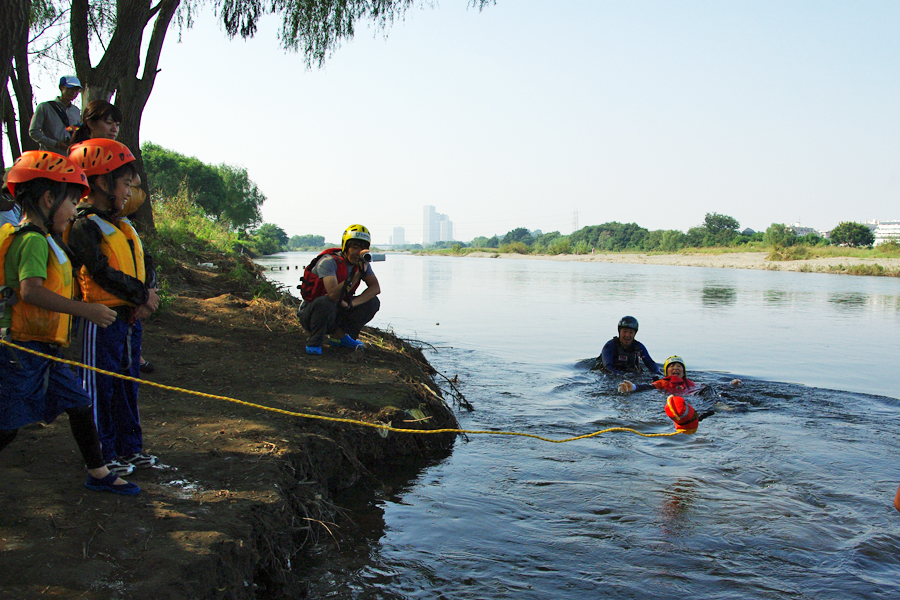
(719, 295)
(849, 300)
(784, 492)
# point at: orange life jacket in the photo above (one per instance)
(123, 249)
(29, 322)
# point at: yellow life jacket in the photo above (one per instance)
(29, 322)
(118, 251)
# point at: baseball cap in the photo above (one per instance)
(70, 81)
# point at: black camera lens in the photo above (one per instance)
(367, 257)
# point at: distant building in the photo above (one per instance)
(446, 229)
(399, 237)
(436, 227)
(801, 231)
(885, 231)
(748, 231)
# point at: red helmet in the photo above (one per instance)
(38, 164)
(98, 156)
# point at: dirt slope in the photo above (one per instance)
(242, 490)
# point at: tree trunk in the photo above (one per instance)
(13, 28)
(117, 71)
(21, 81)
(9, 119)
(13, 21)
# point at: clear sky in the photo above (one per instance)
(520, 115)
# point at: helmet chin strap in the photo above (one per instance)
(60, 198)
(110, 198)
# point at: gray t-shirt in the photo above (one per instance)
(328, 267)
(47, 129)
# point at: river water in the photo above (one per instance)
(784, 493)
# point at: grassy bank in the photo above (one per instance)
(808, 259)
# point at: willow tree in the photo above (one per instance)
(313, 28)
(14, 20)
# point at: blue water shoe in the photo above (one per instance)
(347, 342)
(317, 350)
(106, 485)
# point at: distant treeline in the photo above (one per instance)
(717, 231)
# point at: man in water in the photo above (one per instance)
(52, 119)
(623, 354)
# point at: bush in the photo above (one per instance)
(515, 247)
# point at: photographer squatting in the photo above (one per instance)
(328, 287)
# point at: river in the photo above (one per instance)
(784, 493)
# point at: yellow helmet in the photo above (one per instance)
(356, 232)
(671, 361)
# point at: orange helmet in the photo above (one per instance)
(38, 164)
(98, 156)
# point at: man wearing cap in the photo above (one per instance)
(51, 119)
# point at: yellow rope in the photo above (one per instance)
(291, 413)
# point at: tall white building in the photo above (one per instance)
(399, 237)
(436, 227)
(885, 231)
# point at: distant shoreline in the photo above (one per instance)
(732, 260)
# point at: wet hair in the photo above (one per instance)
(96, 110)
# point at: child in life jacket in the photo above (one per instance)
(118, 273)
(675, 381)
(36, 287)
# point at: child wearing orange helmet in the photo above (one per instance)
(117, 273)
(36, 287)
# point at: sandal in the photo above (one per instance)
(146, 366)
(106, 485)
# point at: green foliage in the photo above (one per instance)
(185, 227)
(520, 234)
(306, 242)
(855, 235)
(483, 242)
(242, 200)
(717, 230)
(797, 252)
(316, 29)
(560, 245)
(779, 234)
(582, 247)
(716, 224)
(889, 248)
(610, 237)
(515, 247)
(269, 239)
(224, 192)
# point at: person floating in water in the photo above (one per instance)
(624, 354)
(675, 381)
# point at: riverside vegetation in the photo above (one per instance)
(244, 494)
(717, 236)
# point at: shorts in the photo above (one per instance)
(33, 388)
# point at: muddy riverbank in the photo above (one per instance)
(242, 491)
